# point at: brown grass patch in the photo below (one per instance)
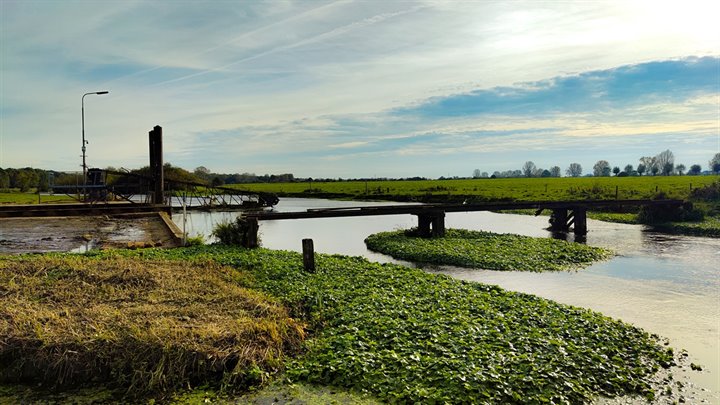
(146, 325)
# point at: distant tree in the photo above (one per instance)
(217, 181)
(574, 170)
(714, 164)
(529, 168)
(4, 180)
(601, 168)
(555, 171)
(202, 172)
(476, 174)
(694, 170)
(616, 170)
(680, 169)
(484, 175)
(628, 169)
(648, 162)
(654, 170)
(665, 161)
(641, 169)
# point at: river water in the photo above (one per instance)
(666, 284)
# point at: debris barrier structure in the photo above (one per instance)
(431, 217)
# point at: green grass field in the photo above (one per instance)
(32, 198)
(516, 189)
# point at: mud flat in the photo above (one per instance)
(80, 234)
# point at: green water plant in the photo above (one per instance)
(407, 336)
(486, 250)
(398, 334)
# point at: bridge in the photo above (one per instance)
(431, 217)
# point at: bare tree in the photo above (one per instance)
(476, 174)
(601, 168)
(574, 170)
(555, 171)
(665, 161)
(529, 169)
(647, 162)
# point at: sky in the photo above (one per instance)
(353, 89)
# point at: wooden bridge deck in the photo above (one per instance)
(431, 217)
(420, 209)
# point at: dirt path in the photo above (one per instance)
(80, 234)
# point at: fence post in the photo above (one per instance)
(308, 255)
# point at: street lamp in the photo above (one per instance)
(84, 142)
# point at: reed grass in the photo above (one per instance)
(145, 325)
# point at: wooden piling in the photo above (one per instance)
(251, 237)
(308, 255)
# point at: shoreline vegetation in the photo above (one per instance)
(157, 321)
(487, 250)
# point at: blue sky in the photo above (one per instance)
(359, 88)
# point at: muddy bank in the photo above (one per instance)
(80, 234)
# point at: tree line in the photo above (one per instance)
(661, 164)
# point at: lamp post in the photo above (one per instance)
(84, 142)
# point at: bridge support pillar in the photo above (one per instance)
(431, 224)
(580, 227)
(559, 220)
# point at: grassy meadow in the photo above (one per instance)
(16, 197)
(506, 189)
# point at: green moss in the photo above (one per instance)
(487, 250)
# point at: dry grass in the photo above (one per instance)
(146, 325)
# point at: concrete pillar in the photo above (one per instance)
(559, 220)
(424, 222)
(438, 225)
(580, 221)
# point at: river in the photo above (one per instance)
(666, 284)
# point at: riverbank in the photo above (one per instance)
(402, 334)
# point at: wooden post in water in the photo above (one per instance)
(308, 255)
(251, 238)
